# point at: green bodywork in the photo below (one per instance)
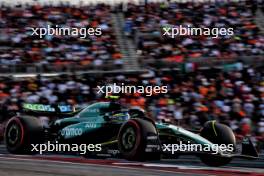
(180, 133)
(96, 123)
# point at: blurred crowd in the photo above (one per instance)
(19, 46)
(147, 22)
(234, 97)
(143, 22)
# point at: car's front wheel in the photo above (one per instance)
(218, 134)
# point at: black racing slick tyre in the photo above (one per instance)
(21, 132)
(218, 134)
(138, 141)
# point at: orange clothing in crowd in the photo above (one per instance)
(138, 102)
(242, 113)
(203, 109)
(85, 62)
(117, 56)
(203, 90)
(163, 102)
(3, 95)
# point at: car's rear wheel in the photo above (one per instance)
(218, 134)
(20, 133)
(14, 135)
(138, 141)
(128, 138)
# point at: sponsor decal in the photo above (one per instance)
(46, 108)
(90, 125)
(69, 132)
(113, 152)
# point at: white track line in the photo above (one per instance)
(232, 169)
(90, 164)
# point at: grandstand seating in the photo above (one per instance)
(233, 94)
(20, 47)
(146, 23)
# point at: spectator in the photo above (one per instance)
(233, 97)
(149, 20)
(19, 47)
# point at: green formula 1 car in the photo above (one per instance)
(121, 132)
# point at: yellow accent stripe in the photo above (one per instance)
(118, 115)
(213, 125)
(109, 142)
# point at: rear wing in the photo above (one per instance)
(48, 109)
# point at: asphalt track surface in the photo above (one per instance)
(67, 165)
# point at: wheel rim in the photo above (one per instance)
(129, 138)
(13, 134)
